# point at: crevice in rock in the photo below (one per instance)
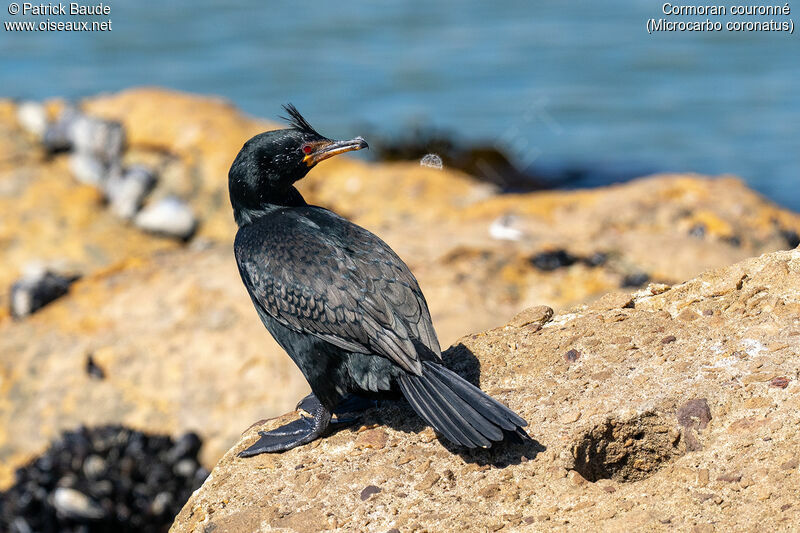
(626, 450)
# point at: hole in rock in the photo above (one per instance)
(626, 450)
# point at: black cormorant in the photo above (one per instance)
(341, 303)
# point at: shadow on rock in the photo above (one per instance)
(397, 414)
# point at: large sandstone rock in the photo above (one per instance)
(669, 409)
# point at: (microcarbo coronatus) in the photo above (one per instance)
(342, 304)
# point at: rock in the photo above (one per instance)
(72, 504)
(170, 216)
(127, 190)
(538, 316)
(91, 170)
(93, 369)
(36, 289)
(368, 491)
(32, 116)
(85, 134)
(101, 479)
(636, 279)
(780, 382)
(572, 355)
(103, 138)
(503, 229)
(694, 413)
(58, 134)
(634, 405)
(552, 260)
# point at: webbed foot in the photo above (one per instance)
(294, 434)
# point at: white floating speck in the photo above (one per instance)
(431, 161)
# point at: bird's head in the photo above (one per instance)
(268, 165)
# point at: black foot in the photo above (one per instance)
(294, 434)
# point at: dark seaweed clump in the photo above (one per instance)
(105, 479)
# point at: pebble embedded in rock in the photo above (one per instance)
(368, 491)
(698, 231)
(92, 369)
(694, 413)
(780, 382)
(730, 477)
(572, 355)
(570, 417)
(170, 216)
(36, 289)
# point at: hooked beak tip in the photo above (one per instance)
(332, 148)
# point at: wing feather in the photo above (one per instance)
(340, 283)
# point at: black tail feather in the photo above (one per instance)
(457, 409)
(482, 402)
(441, 416)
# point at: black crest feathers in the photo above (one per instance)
(297, 121)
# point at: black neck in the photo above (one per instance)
(247, 215)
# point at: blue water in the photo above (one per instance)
(555, 83)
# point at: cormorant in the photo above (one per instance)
(341, 303)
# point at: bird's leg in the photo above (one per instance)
(294, 434)
(351, 403)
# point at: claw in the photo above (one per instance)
(294, 434)
(307, 428)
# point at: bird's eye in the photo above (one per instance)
(307, 149)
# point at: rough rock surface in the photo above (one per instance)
(668, 409)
